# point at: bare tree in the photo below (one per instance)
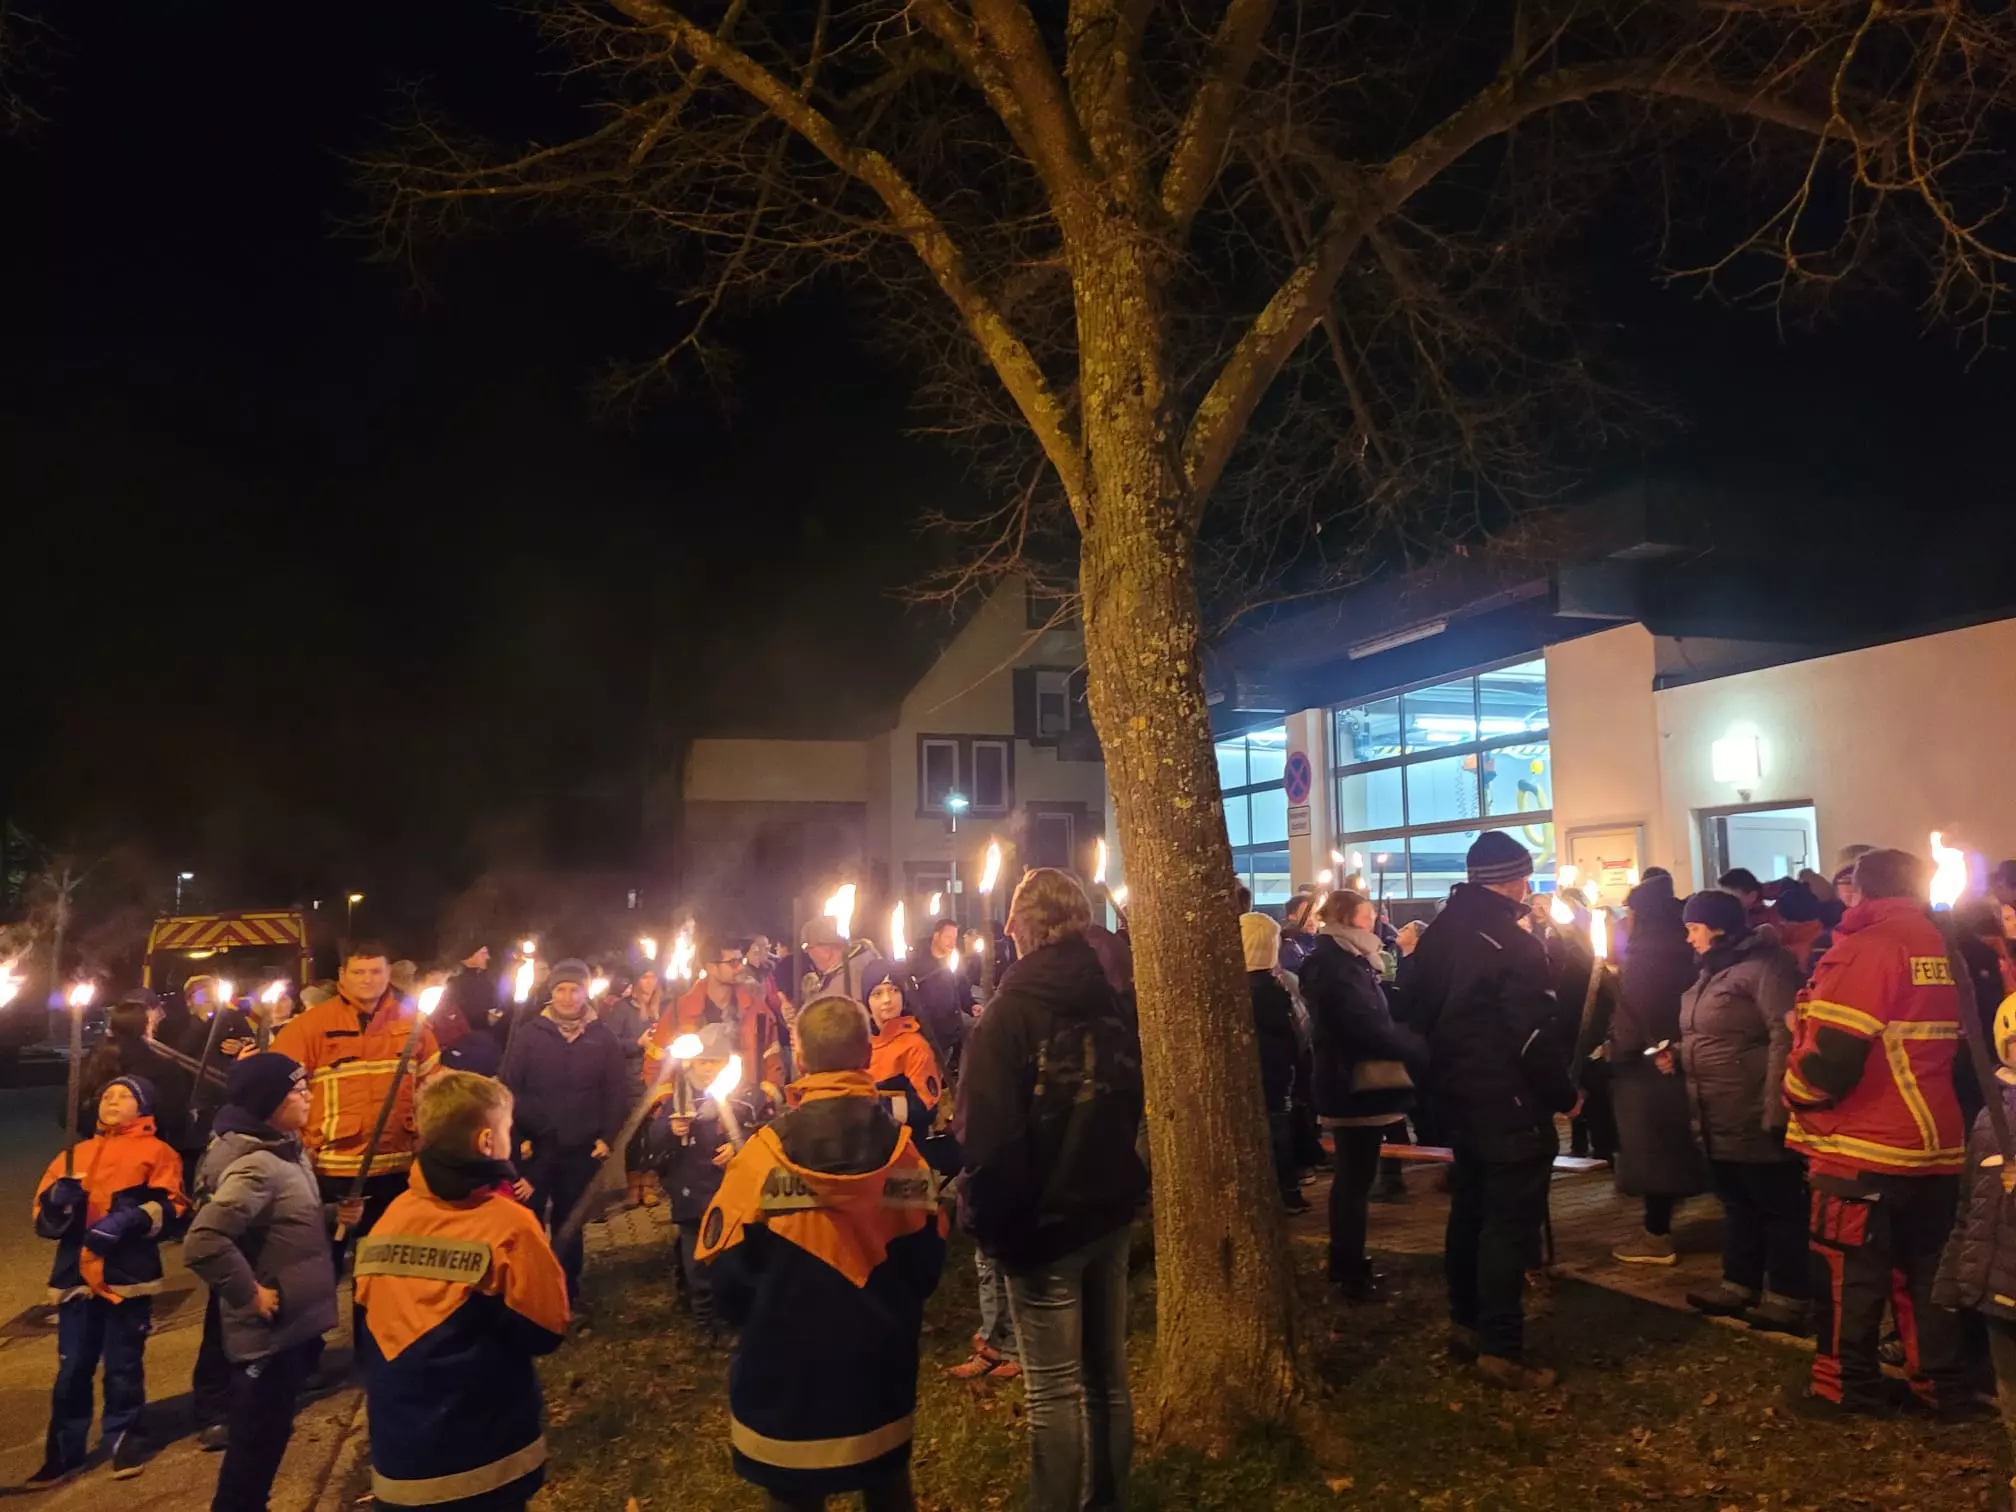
(1243, 285)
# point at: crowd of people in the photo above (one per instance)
(1793, 1047)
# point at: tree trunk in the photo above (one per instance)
(1224, 1311)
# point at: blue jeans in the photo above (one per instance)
(1071, 1324)
(89, 1329)
(997, 1327)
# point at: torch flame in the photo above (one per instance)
(1325, 877)
(227, 992)
(1566, 874)
(952, 961)
(681, 964)
(9, 983)
(1949, 872)
(1358, 862)
(1560, 910)
(1099, 862)
(521, 983)
(686, 1047)
(650, 948)
(840, 909)
(1337, 858)
(991, 873)
(528, 947)
(898, 947)
(430, 999)
(597, 986)
(1119, 896)
(729, 1079)
(937, 902)
(1599, 933)
(273, 992)
(82, 993)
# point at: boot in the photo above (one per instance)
(1780, 1315)
(1728, 1300)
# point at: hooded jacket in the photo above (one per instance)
(1049, 1105)
(462, 1292)
(823, 1244)
(115, 1171)
(1978, 1269)
(350, 1054)
(1870, 1079)
(1351, 1025)
(1480, 991)
(1733, 1044)
(261, 1223)
(569, 1093)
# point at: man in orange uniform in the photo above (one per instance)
(349, 1047)
(1869, 1082)
(720, 998)
(463, 1294)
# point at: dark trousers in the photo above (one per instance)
(559, 1179)
(89, 1329)
(378, 1194)
(1496, 1212)
(1659, 1216)
(1763, 1225)
(1350, 1192)
(1867, 1252)
(263, 1397)
(1281, 1138)
(891, 1495)
(210, 1387)
(699, 1288)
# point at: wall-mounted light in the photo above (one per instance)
(1738, 760)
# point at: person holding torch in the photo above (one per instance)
(350, 1045)
(707, 1114)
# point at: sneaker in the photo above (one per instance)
(971, 1368)
(1647, 1249)
(1514, 1375)
(129, 1456)
(1728, 1300)
(52, 1474)
(1007, 1370)
(1294, 1203)
(215, 1438)
(1780, 1315)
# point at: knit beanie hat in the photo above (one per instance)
(141, 1088)
(1260, 937)
(1721, 911)
(569, 970)
(1497, 857)
(260, 1083)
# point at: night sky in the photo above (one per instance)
(313, 583)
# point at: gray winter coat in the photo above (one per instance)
(1735, 1034)
(263, 1225)
(1979, 1266)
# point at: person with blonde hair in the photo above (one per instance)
(1052, 1183)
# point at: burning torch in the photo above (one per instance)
(840, 909)
(430, 999)
(78, 998)
(898, 946)
(990, 874)
(681, 963)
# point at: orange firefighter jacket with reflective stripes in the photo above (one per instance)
(756, 1042)
(902, 1053)
(350, 1055)
(126, 1167)
(459, 1297)
(1887, 983)
(822, 1245)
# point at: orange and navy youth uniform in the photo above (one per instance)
(460, 1291)
(759, 1031)
(350, 1053)
(1869, 1081)
(822, 1245)
(123, 1168)
(904, 1066)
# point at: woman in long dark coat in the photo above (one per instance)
(1657, 1158)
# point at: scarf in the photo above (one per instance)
(457, 1178)
(1358, 941)
(570, 1029)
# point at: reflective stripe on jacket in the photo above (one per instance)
(350, 1056)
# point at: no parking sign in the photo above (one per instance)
(1300, 777)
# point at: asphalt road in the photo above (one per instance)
(181, 1477)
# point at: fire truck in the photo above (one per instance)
(252, 948)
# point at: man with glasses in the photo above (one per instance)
(722, 997)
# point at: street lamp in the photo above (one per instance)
(955, 805)
(180, 878)
(350, 914)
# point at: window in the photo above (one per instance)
(1052, 839)
(990, 777)
(938, 767)
(1421, 773)
(1251, 768)
(1053, 704)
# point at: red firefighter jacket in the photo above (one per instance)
(1870, 1078)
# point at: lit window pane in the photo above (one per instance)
(1513, 699)
(1444, 715)
(1236, 830)
(1369, 800)
(1270, 816)
(1267, 873)
(1369, 848)
(1267, 755)
(1436, 863)
(1441, 790)
(1232, 763)
(1371, 733)
(1518, 779)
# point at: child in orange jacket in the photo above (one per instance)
(107, 1203)
(903, 1064)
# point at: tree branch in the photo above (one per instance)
(1207, 125)
(910, 218)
